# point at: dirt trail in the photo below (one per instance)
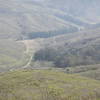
(31, 47)
(28, 51)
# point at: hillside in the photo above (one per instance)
(47, 85)
(12, 55)
(91, 71)
(80, 48)
(84, 9)
(28, 19)
(20, 19)
(84, 43)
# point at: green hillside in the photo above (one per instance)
(47, 85)
(91, 71)
(12, 55)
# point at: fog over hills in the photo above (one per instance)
(88, 9)
(18, 17)
(24, 17)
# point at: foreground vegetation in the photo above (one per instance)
(47, 85)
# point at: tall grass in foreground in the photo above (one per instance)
(47, 85)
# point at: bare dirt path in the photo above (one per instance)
(31, 47)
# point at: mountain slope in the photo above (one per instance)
(31, 19)
(12, 55)
(86, 9)
(19, 18)
(81, 48)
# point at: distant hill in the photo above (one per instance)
(86, 9)
(20, 18)
(30, 19)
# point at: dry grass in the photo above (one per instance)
(47, 85)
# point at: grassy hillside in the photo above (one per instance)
(92, 71)
(12, 55)
(21, 18)
(47, 85)
(30, 19)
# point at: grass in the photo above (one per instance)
(91, 71)
(47, 85)
(11, 54)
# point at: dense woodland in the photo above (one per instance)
(72, 57)
(48, 34)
